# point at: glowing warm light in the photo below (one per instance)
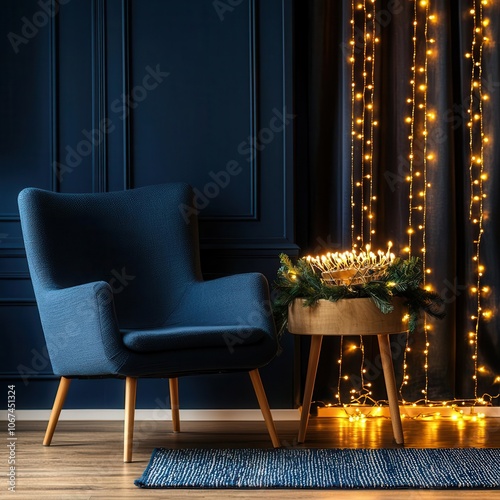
(363, 121)
(477, 175)
(352, 267)
(420, 121)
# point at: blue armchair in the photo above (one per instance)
(120, 294)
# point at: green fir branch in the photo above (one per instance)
(402, 278)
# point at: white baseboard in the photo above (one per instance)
(247, 415)
(155, 414)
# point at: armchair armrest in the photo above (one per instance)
(81, 331)
(241, 299)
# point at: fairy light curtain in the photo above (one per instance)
(397, 139)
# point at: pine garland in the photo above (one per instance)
(402, 278)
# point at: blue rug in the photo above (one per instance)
(294, 468)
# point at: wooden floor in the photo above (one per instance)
(85, 459)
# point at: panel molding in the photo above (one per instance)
(16, 302)
(253, 125)
(288, 135)
(26, 378)
(254, 116)
(53, 116)
(10, 238)
(13, 253)
(263, 244)
(99, 111)
(128, 167)
(125, 49)
(14, 275)
(284, 240)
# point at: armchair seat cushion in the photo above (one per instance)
(189, 337)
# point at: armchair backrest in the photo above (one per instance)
(139, 241)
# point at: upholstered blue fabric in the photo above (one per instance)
(119, 290)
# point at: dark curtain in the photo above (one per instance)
(323, 107)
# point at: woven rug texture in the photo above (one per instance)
(294, 468)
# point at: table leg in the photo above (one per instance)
(312, 368)
(390, 384)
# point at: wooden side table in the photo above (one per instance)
(357, 316)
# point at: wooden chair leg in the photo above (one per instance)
(264, 406)
(312, 368)
(174, 403)
(62, 391)
(390, 384)
(130, 396)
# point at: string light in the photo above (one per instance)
(363, 124)
(424, 192)
(350, 268)
(353, 131)
(418, 137)
(421, 157)
(458, 410)
(370, 142)
(340, 360)
(477, 176)
(363, 120)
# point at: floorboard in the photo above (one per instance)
(85, 458)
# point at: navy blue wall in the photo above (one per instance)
(114, 94)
